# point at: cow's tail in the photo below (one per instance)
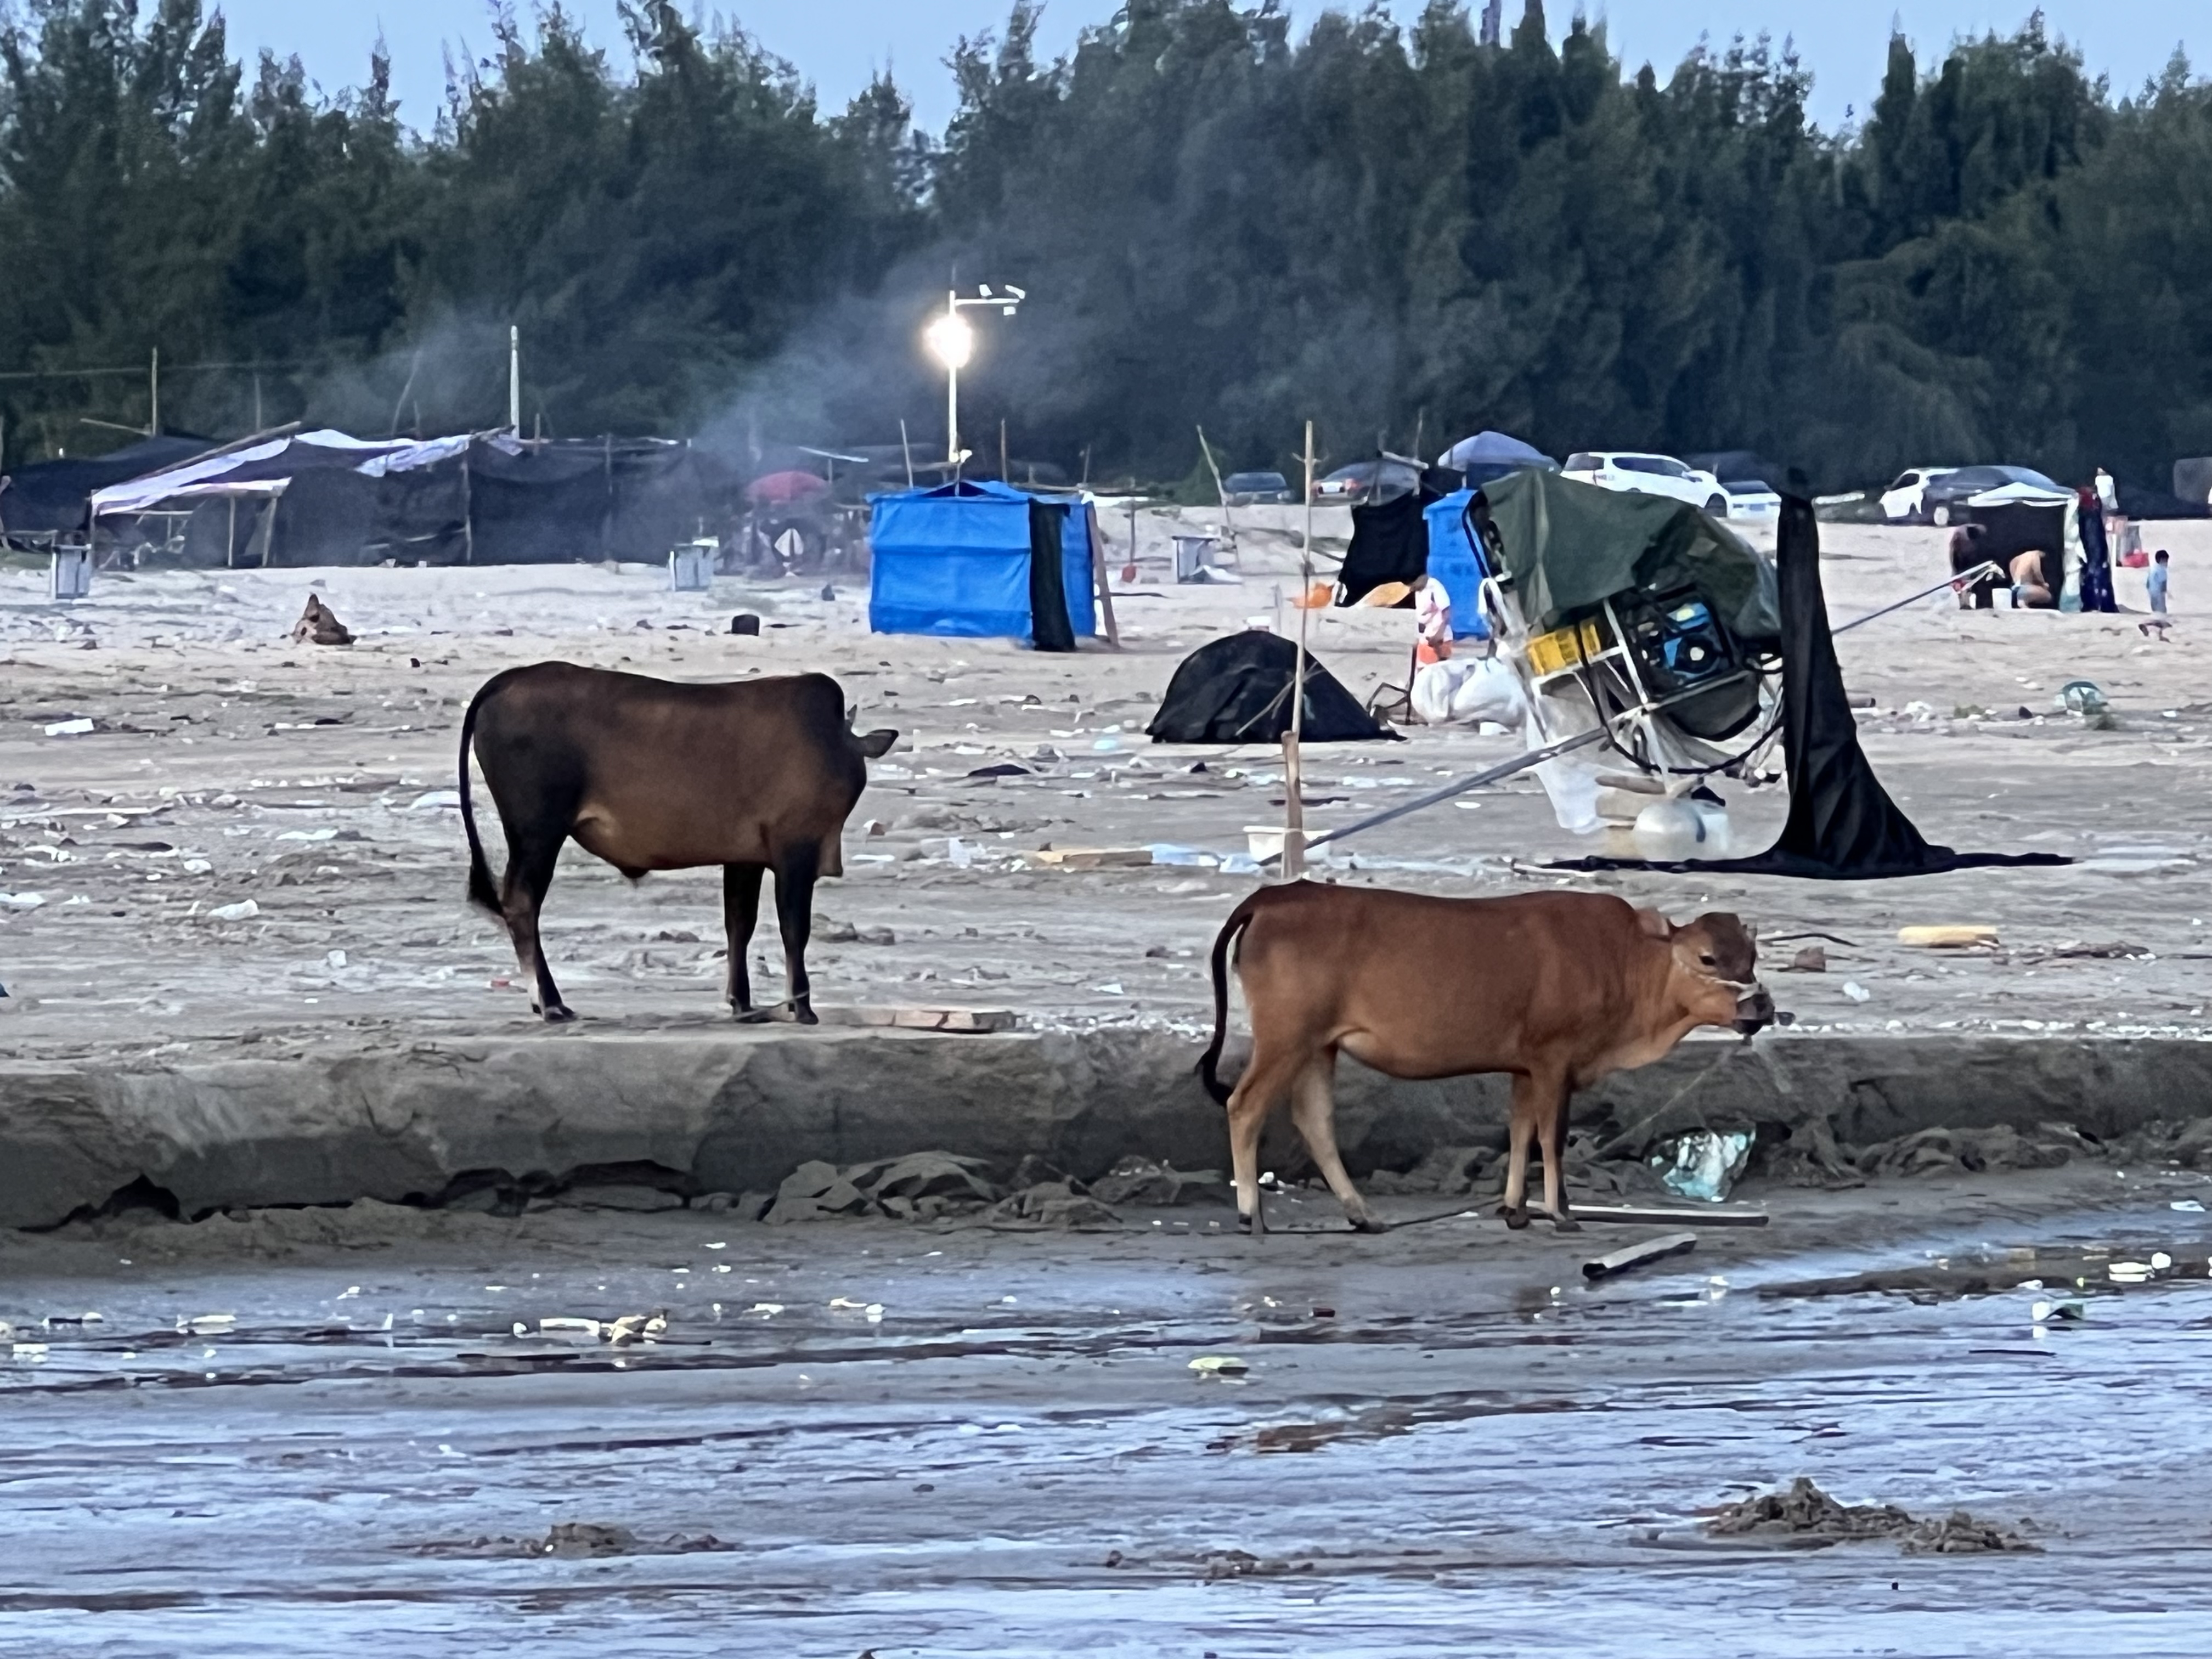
(1209, 1063)
(482, 893)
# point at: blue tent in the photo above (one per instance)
(957, 560)
(1457, 562)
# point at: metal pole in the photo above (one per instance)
(906, 450)
(514, 378)
(1964, 579)
(951, 388)
(1503, 769)
(1294, 804)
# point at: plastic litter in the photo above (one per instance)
(437, 800)
(2082, 696)
(21, 901)
(2187, 1205)
(244, 910)
(1635, 1255)
(1705, 1163)
(76, 728)
(1219, 1364)
(208, 1324)
(1857, 992)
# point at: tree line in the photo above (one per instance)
(1406, 235)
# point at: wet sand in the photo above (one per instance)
(1442, 1431)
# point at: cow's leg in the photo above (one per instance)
(522, 895)
(1267, 1076)
(741, 885)
(1553, 1124)
(1313, 1108)
(794, 911)
(1515, 1208)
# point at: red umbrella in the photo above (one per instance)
(782, 489)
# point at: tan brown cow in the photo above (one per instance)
(649, 774)
(1558, 989)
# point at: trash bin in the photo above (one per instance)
(1191, 556)
(69, 575)
(691, 569)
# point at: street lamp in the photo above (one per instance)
(952, 343)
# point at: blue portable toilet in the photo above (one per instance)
(1456, 561)
(961, 560)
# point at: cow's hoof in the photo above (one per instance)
(558, 1014)
(804, 1016)
(1368, 1224)
(1515, 1219)
(1565, 1224)
(753, 1016)
(1243, 1224)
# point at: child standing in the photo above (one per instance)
(2157, 583)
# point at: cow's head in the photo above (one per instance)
(1716, 969)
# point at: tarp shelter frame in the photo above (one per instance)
(211, 476)
(1534, 758)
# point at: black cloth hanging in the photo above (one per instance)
(1843, 825)
(2096, 557)
(1237, 689)
(1389, 543)
(1049, 628)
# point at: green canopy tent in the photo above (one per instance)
(1567, 547)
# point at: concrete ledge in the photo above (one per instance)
(737, 1110)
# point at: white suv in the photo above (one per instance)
(1903, 501)
(1654, 475)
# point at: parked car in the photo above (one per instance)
(1654, 475)
(1256, 489)
(1750, 500)
(1941, 501)
(1902, 503)
(1384, 480)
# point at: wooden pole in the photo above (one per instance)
(1003, 479)
(468, 524)
(154, 396)
(907, 450)
(1294, 805)
(1098, 574)
(230, 541)
(1221, 494)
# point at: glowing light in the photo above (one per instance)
(951, 342)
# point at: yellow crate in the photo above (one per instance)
(1565, 648)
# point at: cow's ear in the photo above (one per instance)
(877, 744)
(1654, 925)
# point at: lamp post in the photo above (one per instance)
(952, 343)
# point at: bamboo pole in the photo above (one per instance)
(1294, 805)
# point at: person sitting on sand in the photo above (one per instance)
(2029, 592)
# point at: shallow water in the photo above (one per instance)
(1455, 1458)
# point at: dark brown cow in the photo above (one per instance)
(752, 774)
(1558, 989)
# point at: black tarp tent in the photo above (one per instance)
(1237, 689)
(56, 495)
(324, 498)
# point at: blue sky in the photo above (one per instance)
(837, 44)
